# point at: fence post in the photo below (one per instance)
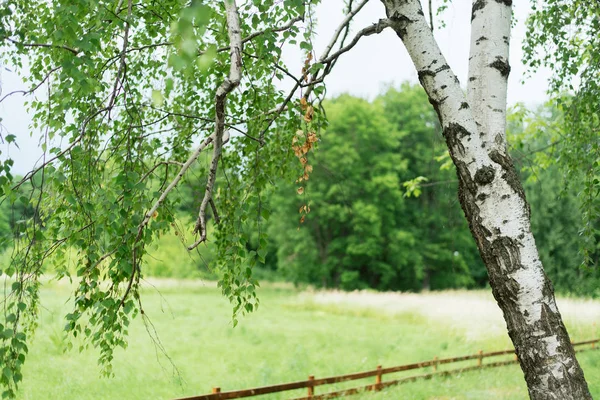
(216, 390)
(480, 359)
(378, 378)
(435, 363)
(311, 390)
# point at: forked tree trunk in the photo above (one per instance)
(490, 192)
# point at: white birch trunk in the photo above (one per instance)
(489, 69)
(490, 192)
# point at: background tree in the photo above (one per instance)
(362, 230)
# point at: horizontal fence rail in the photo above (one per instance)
(378, 373)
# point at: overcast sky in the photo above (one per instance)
(375, 62)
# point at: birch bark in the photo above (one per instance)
(490, 192)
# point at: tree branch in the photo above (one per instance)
(36, 87)
(123, 57)
(230, 83)
(341, 27)
(377, 27)
(50, 46)
(31, 173)
(258, 33)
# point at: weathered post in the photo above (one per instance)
(311, 390)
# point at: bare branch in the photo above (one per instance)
(340, 28)
(26, 92)
(368, 31)
(230, 83)
(50, 46)
(278, 67)
(214, 210)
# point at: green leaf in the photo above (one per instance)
(157, 98)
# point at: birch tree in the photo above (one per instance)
(490, 193)
(136, 91)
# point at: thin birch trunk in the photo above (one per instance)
(490, 192)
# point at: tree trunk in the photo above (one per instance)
(490, 192)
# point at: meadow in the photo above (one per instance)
(292, 335)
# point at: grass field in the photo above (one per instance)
(293, 335)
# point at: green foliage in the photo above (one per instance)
(360, 230)
(168, 257)
(563, 35)
(131, 90)
(555, 197)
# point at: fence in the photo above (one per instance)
(378, 373)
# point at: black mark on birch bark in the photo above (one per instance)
(422, 74)
(509, 174)
(481, 39)
(436, 105)
(507, 3)
(454, 133)
(464, 105)
(400, 23)
(484, 175)
(501, 65)
(478, 5)
(507, 254)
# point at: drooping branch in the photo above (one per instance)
(230, 83)
(75, 142)
(121, 69)
(193, 157)
(150, 213)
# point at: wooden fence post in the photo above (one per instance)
(480, 359)
(311, 390)
(216, 390)
(435, 363)
(378, 378)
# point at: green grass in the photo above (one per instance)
(288, 339)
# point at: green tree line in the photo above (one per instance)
(377, 206)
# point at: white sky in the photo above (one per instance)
(373, 63)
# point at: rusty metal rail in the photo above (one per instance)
(378, 373)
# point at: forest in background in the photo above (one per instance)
(375, 206)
